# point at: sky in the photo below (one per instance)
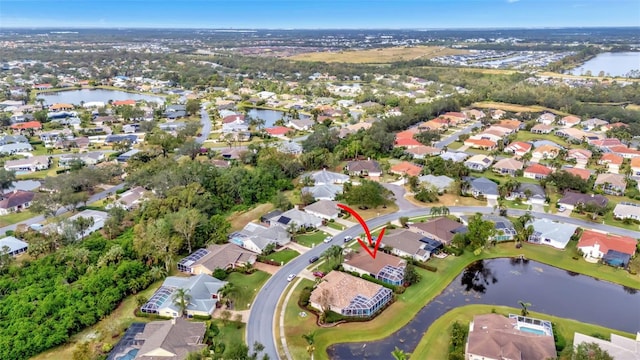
(319, 14)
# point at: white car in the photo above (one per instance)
(327, 239)
(562, 208)
(291, 277)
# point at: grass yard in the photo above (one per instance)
(455, 145)
(415, 297)
(379, 56)
(15, 218)
(238, 219)
(297, 325)
(455, 200)
(250, 285)
(435, 342)
(526, 136)
(283, 256)
(372, 213)
(311, 240)
(335, 225)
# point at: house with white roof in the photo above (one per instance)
(296, 218)
(323, 191)
(256, 237)
(552, 233)
(13, 246)
(326, 177)
(619, 347)
(479, 162)
(325, 209)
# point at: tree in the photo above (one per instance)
(590, 351)
(525, 307)
(219, 229)
(333, 255)
(225, 316)
(479, 232)
(369, 194)
(185, 222)
(280, 201)
(190, 148)
(81, 225)
(7, 178)
(193, 106)
(411, 276)
(181, 299)
(310, 339)
(399, 354)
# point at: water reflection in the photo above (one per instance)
(477, 277)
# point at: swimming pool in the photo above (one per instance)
(532, 330)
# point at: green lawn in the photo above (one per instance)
(283, 256)
(335, 225)
(455, 145)
(529, 136)
(415, 297)
(15, 218)
(312, 239)
(435, 342)
(250, 285)
(297, 325)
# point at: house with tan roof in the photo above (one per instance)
(593, 123)
(545, 152)
(420, 152)
(576, 135)
(635, 166)
(442, 229)
(61, 107)
(496, 337)
(597, 245)
(370, 168)
(569, 121)
(509, 126)
(475, 114)
(169, 339)
(435, 125)
(507, 166)
(518, 148)
(216, 256)
(31, 164)
(385, 267)
(479, 162)
(482, 144)
(454, 118)
(612, 184)
(584, 174)
(612, 161)
(405, 168)
(537, 171)
(542, 129)
(349, 295)
(581, 156)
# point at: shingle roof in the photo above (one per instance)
(179, 337)
(363, 261)
(326, 177)
(343, 288)
(12, 243)
(16, 199)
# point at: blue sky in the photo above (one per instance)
(314, 14)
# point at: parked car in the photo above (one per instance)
(562, 208)
(348, 238)
(318, 274)
(313, 259)
(327, 239)
(291, 277)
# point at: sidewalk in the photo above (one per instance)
(345, 222)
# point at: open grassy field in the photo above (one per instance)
(250, 284)
(283, 256)
(435, 343)
(239, 219)
(415, 297)
(633, 107)
(15, 218)
(516, 107)
(379, 56)
(312, 239)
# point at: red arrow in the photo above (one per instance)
(366, 231)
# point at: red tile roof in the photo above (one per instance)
(277, 130)
(123, 102)
(232, 118)
(538, 169)
(405, 141)
(608, 242)
(621, 149)
(584, 174)
(480, 142)
(406, 167)
(27, 125)
(612, 158)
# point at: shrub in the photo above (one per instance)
(453, 250)
(201, 317)
(305, 295)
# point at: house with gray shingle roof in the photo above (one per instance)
(203, 291)
(14, 246)
(298, 218)
(551, 233)
(325, 209)
(326, 177)
(442, 183)
(481, 187)
(169, 339)
(256, 237)
(323, 192)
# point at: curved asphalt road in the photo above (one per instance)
(262, 317)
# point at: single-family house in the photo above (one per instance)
(481, 188)
(497, 114)
(216, 256)
(613, 162)
(370, 168)
(289, 147)
(542, 129)
(635, 166)
(479, 162)
(349, 295)
(547, 118)
(168, 339)
(625, 151)
(15, 201)
(474, 114)
(31, 164)
(88, 158)
(326, 177)
(14, 148)
(572, 199)
(385, 267)
(576, 135)
(439, 125)
(531, 193)
(494, 336)
(569, 121)
(297, 219)
(504, 229)
(405, 168)
(545, 152)
(23, 185)
(324, 209)
(256, 237)
(323, 191)
(482, 144)
(612, 184)
(405, 243)
(626, 210)
(420, 152)
(537, 171)
(13, 246)
(124, 157)
(584, 174)
(581, 156)
(98, 217)
(301, 124)
(593, 123)
(619, 347)
(511, 125)
(518, 148)
(612, 249)
(441, 229)
(454, 117)
(278, 131)
(35, 125)
(552, 233)
(454, 156)
(202, 289)
(507, 166)
(130, 199)
(441, 183)
(494, 134)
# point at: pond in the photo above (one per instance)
(94, 95)
(505, 282)
(270, 116)
(612, 64)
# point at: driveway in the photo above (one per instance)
(537, 208)
(453, 137)
(398, 193)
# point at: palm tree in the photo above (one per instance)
(444, 210)
(524, 219)
(310, 339)
(525, 306)
(435, 211)
(181, 299)
(399, 354)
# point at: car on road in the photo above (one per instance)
(291, 277)
(313, 259)
(318, 274)
(348, 238)
(327, 239)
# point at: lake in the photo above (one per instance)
(91, 95)
(270, 116)
(613, 64)
(504, 282)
